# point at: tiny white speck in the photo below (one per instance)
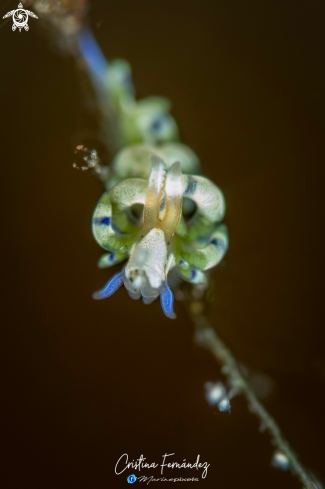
(224, 405)
(214, 392)
(280, 461)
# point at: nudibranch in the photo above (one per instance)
(141, 219)
(157, 213)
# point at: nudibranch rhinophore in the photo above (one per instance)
(141, 220)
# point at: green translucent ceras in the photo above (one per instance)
(139, 121)
(152, 188)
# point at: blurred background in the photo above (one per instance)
(83, 381)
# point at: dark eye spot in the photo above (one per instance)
(193, 274)
(168, 243)
(131, 280)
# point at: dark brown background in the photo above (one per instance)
(84, 382)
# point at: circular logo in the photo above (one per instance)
(20, 17)
(131, 479)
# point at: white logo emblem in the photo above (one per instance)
(20, 18)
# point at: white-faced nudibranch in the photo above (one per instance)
(153, 186)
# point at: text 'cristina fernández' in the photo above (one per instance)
(123, 463)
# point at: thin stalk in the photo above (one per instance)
(206, 336)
